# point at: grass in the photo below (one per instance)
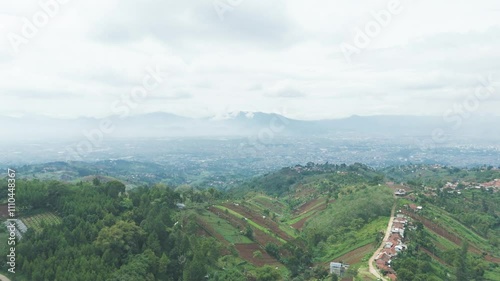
(361, 237)
(350, 249)
(231, 234)
(288, 230)
(309, 213)
(258, 208)
(364, 275)
(454, 226)
(268, 203)
(252, 223)
(441, 242)
(493, 275)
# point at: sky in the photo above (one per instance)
(308, 60)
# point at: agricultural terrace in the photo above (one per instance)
(38, 222)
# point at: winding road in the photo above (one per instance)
(373, 270)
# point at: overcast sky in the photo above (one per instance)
(247, 55)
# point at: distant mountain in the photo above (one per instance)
(159, 125)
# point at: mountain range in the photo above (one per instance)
(244, 124)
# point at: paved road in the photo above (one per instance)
(4, 278)
(373, 270)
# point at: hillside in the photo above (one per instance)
(285, 225)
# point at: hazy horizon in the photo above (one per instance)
(306, 61)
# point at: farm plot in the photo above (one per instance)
(37, 222)
(216, 225)
(448, 235)
(255, 254)
(311, 206)
(306, 211)
(265, 223)
(357, 255)
(236, 221)
(268, 203)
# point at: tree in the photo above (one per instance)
(267, 273)
(120, 239)
(461, 263)
(114, 188)
(249, 232)
(163, 264)
(405, 275)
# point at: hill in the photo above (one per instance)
(285, 225)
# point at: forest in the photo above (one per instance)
(284, 225)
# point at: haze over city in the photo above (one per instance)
(305, 60)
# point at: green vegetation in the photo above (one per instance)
(37, 222)
(230, 234)
(101, 230)
(250, 222)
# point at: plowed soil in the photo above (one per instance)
(257, 218)
(448, 235)
(246, 252)
(259, 236)
(357, 255)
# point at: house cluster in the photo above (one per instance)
(494, 184)
(392, 246)
(453, 187)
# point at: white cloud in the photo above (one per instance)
(262, 56)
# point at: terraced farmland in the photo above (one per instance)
(37, 222)
(221, 229)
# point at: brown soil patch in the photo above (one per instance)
(356, 255)
(206, 228)
(306, 207)
(274, 206)
(441, 261)
(448, 235)
(246, 252)
(259, 236)
(300, 224)
(257, 218)
(311, 207)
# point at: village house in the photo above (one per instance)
(400, 192)
(393, 245)
(338, 268)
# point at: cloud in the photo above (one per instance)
(37, 94)
(176, 96)
(262, 55)
(286, 93)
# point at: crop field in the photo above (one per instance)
(247, 252)
(37, 222)
(365, 236)
(257, 221)
(268, 203)
(261, 234)
(457, 227)
(357, 255)
(448, 234)
(224, 228)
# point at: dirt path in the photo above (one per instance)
(371, 267)
(4, 278)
